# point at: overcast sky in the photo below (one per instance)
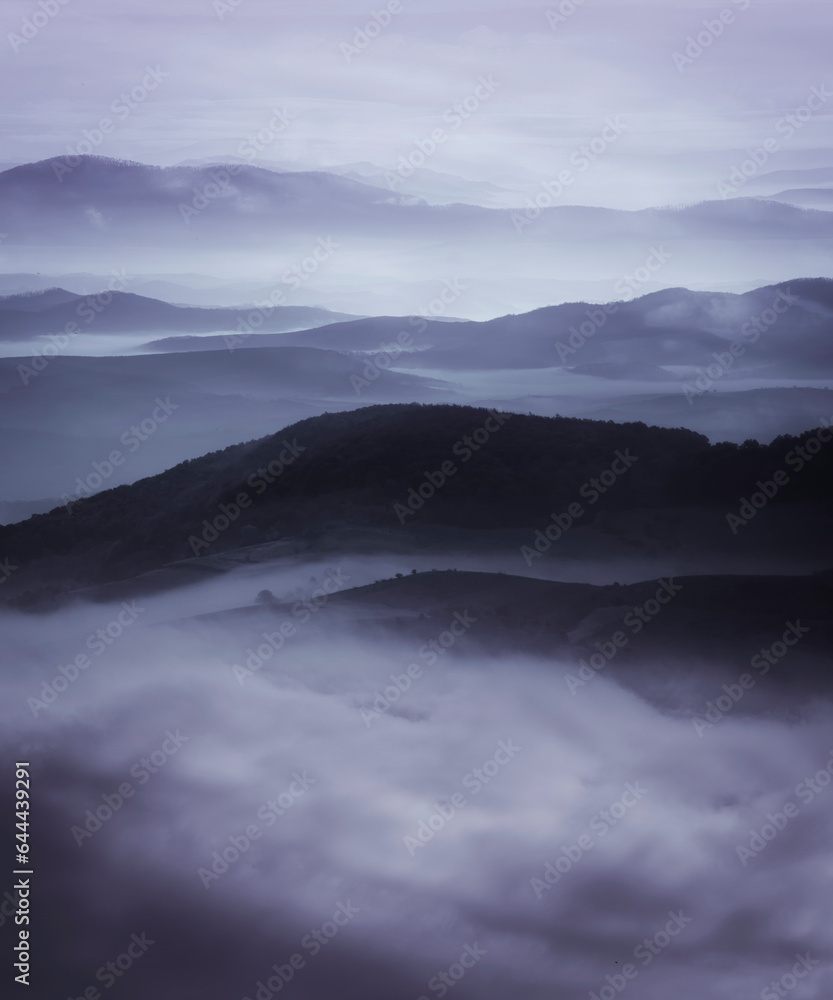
(556, 80)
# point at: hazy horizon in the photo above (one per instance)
(416, 555)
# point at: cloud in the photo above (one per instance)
(558, 85)
(558, 833)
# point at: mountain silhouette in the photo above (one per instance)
(378, 467)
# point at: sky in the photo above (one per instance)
(555, 75)
(666, 98)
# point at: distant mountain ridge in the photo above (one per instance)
(36, 301)
(99, 201)
(433, 186)
(72, 410)
(785, 330)
(39, 313)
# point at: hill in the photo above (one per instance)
(785, 330)
(401, 467)
(23, 317)
(95, 201)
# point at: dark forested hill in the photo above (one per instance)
(395, 466)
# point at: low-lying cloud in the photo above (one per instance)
(487, 834)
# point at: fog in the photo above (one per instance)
(639, 814)
(314, 706)
(559, 80)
